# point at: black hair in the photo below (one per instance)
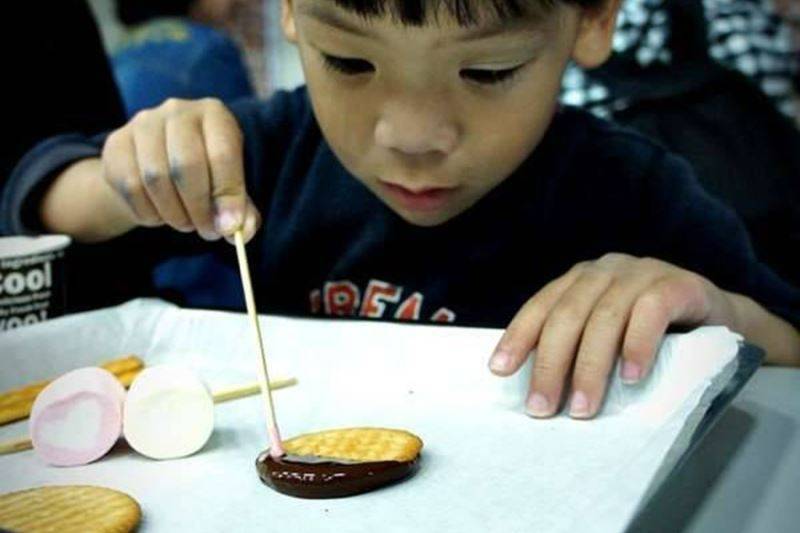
(132, 12)
(465, 12)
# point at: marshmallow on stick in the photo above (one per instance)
(16, 404)
(227, 394)
(276, 447)
(169, 413)
(77, 418)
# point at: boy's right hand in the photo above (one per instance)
(181, 164)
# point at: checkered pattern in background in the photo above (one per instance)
(750, 36)
(747, 35)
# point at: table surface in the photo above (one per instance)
(745, 474)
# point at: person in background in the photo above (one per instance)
(177, 48)
(716, 82)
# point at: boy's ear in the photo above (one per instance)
(287, 21)
(595, 33)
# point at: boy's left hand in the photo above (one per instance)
(579, 323)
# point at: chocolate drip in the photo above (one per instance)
(320, 477)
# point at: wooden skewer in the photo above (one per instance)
(276, 445)
(223, 395)
(234, 393)
(16, 445)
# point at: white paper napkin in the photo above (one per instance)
(486, 466)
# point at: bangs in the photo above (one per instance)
(465, 12)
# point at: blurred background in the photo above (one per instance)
(759, 38)
(254, 24)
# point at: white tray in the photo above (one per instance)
(486, 466)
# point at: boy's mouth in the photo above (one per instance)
(419, 198)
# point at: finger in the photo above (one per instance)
(522, 333)
(151, 155)
(559, 340)
(121, 172)
(601, 343)
(225, 152)
(677, 299)
(252, 222)
(189, 173)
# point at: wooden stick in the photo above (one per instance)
(16, 445)
(234, 393)
(223, 395)
(276, 445)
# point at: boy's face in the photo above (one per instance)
(431, 118)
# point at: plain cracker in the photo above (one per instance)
(67, 509)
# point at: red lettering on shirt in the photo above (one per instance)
(375, 298)
(443, 315)
(410, 308)
(316, 301)
(341, 298)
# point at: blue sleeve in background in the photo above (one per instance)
(202, 62)
(221, 73)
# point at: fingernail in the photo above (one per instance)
(631, 372)
(225, 222)
(579, 407)
(500, 361)
(538, 405)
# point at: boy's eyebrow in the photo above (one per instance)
(497, 27)
(331, 18)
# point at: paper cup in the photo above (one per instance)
(32, 287)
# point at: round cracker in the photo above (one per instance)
(357, 444)
(68, 508)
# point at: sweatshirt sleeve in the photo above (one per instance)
(704, 235)
(267, 127)
(33, 174)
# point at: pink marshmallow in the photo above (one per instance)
(77, 418)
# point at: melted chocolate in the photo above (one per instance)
(319, 477)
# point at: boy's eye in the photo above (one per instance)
(488, 76)
(347, 65)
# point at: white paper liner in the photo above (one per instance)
(486, 466)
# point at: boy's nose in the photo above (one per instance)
(416, 131)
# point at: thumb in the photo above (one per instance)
(229, 213)
(250, 223)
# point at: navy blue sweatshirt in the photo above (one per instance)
(328, 246)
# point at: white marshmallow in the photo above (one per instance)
(168, 413)
(77, 418)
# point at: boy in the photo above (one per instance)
(427, 173)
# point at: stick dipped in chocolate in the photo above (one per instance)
(327, 464)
